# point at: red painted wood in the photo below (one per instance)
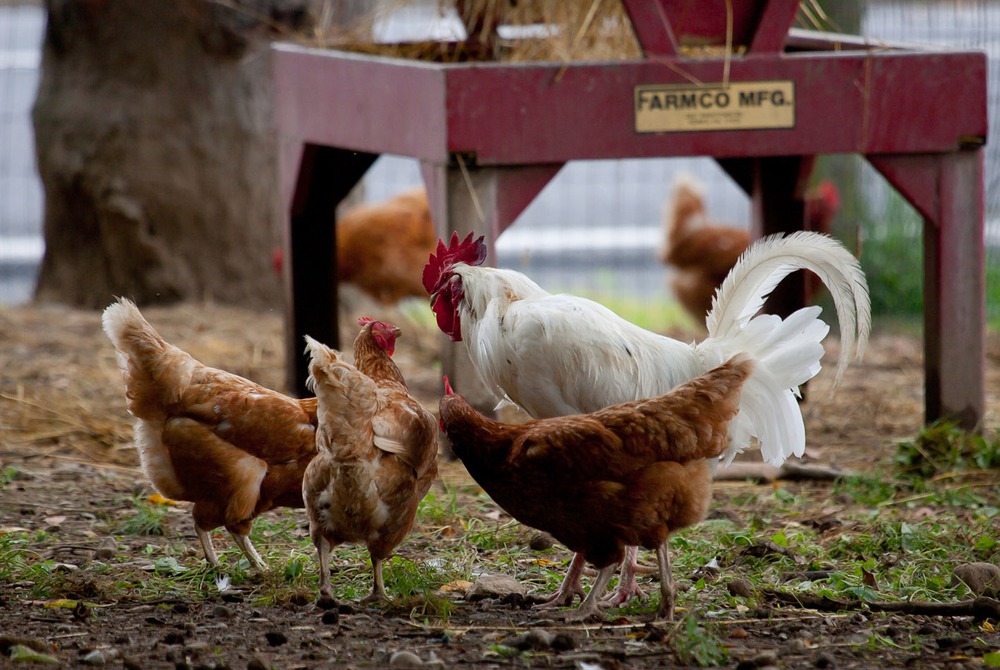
(848, 102)
(652, 27)
(772, 31)
(379, 105)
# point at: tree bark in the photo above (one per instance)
(153, 128)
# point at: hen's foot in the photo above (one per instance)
(622, 594)
(562, 598)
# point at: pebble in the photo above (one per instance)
(95, 657)
(541, 542)
(276, 638)
(534, 640)
(221, 612)
(981, 578)
(405, 659)
(331, 617)
(741, 588)
(494, 586)
(107, 548)
(257, 663)
(823, 661)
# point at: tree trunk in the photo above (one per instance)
(153, 128)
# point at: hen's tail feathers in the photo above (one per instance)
(701, 409)
(341, 389)
(769, 260)
(150, 366)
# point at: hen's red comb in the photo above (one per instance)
(468, 251)
(448, 390)
(364, 320)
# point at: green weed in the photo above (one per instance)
(148, 519)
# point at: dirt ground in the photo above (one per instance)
(65, 432)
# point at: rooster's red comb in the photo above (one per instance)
(468, 251)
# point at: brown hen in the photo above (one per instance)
(626, 475)
(377, 455)
(702, 251)
(232, 447)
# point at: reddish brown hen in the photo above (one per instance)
(377, 455)
(702, 251)
(626, 475)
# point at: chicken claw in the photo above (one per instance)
(627, 587)
(589, 607)
(570, 587)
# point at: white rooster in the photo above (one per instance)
(554, 355)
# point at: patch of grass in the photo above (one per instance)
(695, 646)
(7, 475)
(148, 518)
(943, 447)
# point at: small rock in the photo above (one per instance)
(107, 549)
(981, 578)
(327, 603)
(563, 642)
(741, 588)
(823, 661)
(95, 658)
(494, 586)
(276, 638)
(541, 542)
(221, 612)
(257, 663)
(405, 659)
(534, 640)
(331, 617)
(173, 637)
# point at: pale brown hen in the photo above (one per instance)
(702, 251)
(232, 447)
(626, 475)
(377, 456)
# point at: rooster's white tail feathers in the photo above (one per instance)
(787, 351)
(769, 260)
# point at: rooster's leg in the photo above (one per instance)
(326, 599)
(667, 588)
(246, 546)
(206, 545)
(570, 588)
(627, 586)
(588, 607)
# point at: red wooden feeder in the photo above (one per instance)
(490, 135)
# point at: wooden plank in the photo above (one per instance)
(325, 176)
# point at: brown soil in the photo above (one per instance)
(67, 435)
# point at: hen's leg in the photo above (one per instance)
(246, 546)
(378, 594)
(205, 538)
(570, 587)
(627, 586)
(326, 599)
(668, 590)
(588, 607)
